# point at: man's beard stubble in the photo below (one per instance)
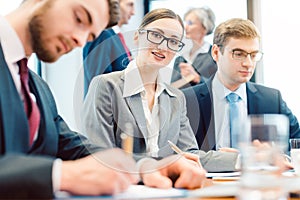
(36, 30)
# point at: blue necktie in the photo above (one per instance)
(234, 117)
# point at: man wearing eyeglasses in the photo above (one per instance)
(236, 51)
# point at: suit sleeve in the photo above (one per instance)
(294, 124)
(71, 145)
(217, 161)
(29, 176)
(26, 177)
(187, 140)
(97, 113)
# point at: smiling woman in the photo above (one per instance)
(116, 99)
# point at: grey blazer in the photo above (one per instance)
(106, 111)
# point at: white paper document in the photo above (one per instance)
(134, 191)
(141, 191)
(227, 189)
(222, 174)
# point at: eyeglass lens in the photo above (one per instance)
(242, 55)
(158, 38)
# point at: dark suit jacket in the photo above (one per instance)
(26, 172)
(260, 100)
(204, 65)
(104, 55)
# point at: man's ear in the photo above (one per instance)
(136, 38)
(214, 52)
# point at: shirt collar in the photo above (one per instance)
(221, 91)
(133, 83)
(9, 39)
(116, 29)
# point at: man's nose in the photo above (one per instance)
(248, 60)
(80, 37)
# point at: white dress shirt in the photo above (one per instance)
(133, 85)
(13, 51)
(221, 110)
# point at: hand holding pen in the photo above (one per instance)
(187, 155)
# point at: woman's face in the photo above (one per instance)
(152, 54)
(194, 28)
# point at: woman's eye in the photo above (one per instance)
(157, 35)
(174, 42)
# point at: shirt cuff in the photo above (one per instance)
(238, 164)
(56, 174)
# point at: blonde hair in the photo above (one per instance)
(235, 28)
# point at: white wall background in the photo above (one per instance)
(280, 39)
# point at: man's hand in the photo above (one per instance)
(106, 172)
(281, 159)
(174, 170)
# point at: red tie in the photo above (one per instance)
(31, 109)
(124, 45)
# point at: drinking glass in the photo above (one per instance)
(261, 143)
(295, 154)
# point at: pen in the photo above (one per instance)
(127, 143)
(127, 139)
(189, 156)
(175, 148)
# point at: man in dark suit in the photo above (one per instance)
(108, 52)
(236, 50)
(54, 158)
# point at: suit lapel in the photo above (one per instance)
(135, 105)
(207, 112)
(14, 126)
(252, 99)
(47, 129)
(164, 121)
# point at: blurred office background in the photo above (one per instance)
(278, 22)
